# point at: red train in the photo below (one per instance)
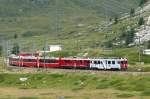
(27, 60)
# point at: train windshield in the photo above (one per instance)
(124, 62)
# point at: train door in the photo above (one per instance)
(97, 65)
(92, 65)
(101, 65)
(108, 64)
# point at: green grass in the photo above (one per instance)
(125, 85)
(125, 95)
(74, 81)
(146, 92)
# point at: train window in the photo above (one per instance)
(109, 62)
(119, 62)
(65, 61)
(99, 62)
(47, 61)
(29, 60)
(83, 61)
(41, 60)
(25, 60)
(113, 62)
(122, 62)
(17, 59)
(80, 61)
(95, 62)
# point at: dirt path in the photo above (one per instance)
(14, 93)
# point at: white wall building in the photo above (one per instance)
(146, 52)
(50, 48)
(53, 48)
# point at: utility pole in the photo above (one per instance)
(8, 48)
(139, 47)
(18, 44)
(3, 54)
(45, 49)
(33, 48)
(6, 55)
(59, 16)
(77, 45)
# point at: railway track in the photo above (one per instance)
(16, 69)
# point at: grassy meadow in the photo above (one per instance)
(66, 20)
(75, 85)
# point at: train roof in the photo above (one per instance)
(75, 58)
(69, 58)
(94, 58)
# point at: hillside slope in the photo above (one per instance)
(32, 7)
(44, 15)
(82, 23)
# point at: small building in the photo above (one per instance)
(50, 48)
(146, 52)
(53, 48)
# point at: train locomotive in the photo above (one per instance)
(24, 60)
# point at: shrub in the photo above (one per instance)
(132, 11)
(141, 21)
(16, 49)
(28, 34)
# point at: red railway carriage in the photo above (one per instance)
(49, 62)
(40, 62)
(23, 61)
(14, 61)
(74, 63)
